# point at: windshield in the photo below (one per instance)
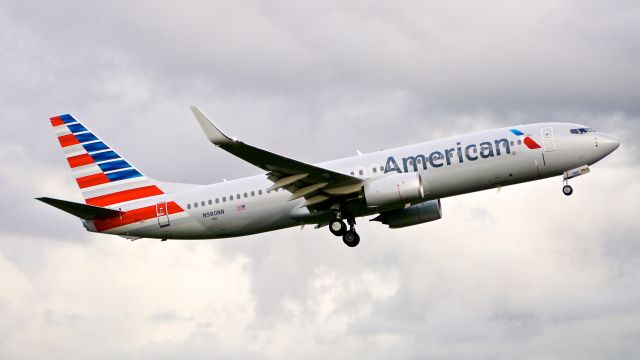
(581, 131)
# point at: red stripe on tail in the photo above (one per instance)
(126, 195)
(134, 216)
(92, 180)
(55, 121)
(68, 140)
(80, 160)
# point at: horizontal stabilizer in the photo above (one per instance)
(85, 212)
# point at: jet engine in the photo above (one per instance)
(397, 189)
(412, 215)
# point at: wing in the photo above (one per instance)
(317, 185)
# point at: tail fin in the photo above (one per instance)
(103, 176)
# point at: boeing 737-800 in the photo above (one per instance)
(402, 186)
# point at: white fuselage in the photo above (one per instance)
(452, 166)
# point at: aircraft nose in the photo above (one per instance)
(608, 143)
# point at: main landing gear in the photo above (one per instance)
(339, 228)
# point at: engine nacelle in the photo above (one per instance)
(397, 189)
(412, 215)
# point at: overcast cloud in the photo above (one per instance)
(525, 273)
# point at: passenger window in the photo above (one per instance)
(519, 142)
(375, 170)
(188, 206)
(231, 198)
(217, 200)
(352, 173)
(245, 195)
(238, 196)
(512, 144)
(195, 204)
(224, 199)
(259, 192)
(381, 168)
(253, 193)
(202, 203)
(360, 172)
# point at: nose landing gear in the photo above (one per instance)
(567, 189)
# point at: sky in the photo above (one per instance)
(524, 273)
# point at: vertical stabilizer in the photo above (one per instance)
(103, 176)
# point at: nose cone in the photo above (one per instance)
(607, 143)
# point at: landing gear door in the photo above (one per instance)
(548, 141)
(163, 214)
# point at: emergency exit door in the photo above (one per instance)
(163, 214)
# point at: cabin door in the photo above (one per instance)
(163, 214)
(548, 141)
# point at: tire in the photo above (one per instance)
(337, 227)
(351, 238)
(567, 190)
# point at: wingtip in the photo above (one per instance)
(213, 132)
(198, 113)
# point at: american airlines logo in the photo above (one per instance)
(459, 153)
(528, 141)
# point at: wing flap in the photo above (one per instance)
(307, 190)
(285, 181)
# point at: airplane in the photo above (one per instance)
(400, 186)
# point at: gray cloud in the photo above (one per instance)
(525, 273)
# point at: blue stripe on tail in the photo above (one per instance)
(104, 156)
(114, 165)
(96, 146)
(123, 175)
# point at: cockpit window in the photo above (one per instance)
(581, 131)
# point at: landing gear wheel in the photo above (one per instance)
(337, 227)
(351, 238)
(567, 190)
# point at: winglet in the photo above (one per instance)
(215, 135)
